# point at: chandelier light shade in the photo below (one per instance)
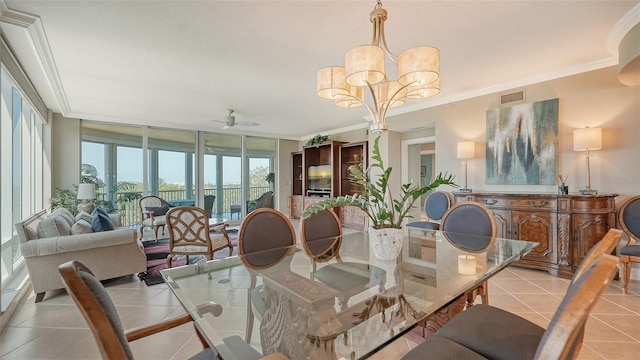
(587, 139)
(418, 71)
(465, 150)
(330, 84)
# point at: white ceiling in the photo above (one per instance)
(182, 63)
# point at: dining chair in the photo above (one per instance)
(629, 217)
(152, 214)
(209, 200)
(266, 238)
(435, 205)
(190, 234)
(486, 332)
(100, 313)
(471, 218)
(321, 238)
(98, 310)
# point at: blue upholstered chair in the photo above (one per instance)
(436, 204)
(471, 218)
(629, 216)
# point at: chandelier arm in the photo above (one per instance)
(383, 40)
(373, 95)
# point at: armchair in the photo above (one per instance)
(152, 214)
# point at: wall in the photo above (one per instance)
(66, 147)
(595, 99)
(283, 173)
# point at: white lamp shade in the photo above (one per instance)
(86, 191)
(419, 66)
(330, 83)
(587, 139)
(466, 150)
(354, 100)
(423, 91)
(390, 92)
(364, 65)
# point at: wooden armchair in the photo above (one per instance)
(152, 214)
(100, 313)
(190, 234)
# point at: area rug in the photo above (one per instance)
(157, 252)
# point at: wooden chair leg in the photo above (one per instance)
(485, 293)
(169, 260)
(155, 231)
(625, 276)
(141, 231)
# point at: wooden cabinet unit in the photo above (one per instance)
(322, 171)
(566, 226)
(351, 154)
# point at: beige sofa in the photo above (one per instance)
(46, 241)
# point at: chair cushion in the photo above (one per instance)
(439, 347)
(494, 333)
(158, 210)
(631, 250)
(206, 354)
(344, 277)
(630, 217)
(101, 220)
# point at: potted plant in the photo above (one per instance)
(386, 214)
(270, 178)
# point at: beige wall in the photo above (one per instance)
(283, 173)
(65, 147)
(595, 99)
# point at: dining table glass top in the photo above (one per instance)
(344, 303)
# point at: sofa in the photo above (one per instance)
(48, 240)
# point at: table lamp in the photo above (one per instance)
(585, 140)
(466, 151)
(86, 192)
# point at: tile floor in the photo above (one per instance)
(55, 329)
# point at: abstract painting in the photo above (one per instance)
(522, 144)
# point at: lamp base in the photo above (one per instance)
(588, 192)
(464, 190)
(86, 206)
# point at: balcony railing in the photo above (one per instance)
(129, 209)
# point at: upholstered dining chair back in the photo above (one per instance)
(435, 206)
(471, 225)
(266, 238)
(321, 236)
(268, 233)
(471, 218)
(629, 216)
(98, 310)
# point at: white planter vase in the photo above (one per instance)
(386, 243)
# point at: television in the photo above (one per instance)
(319, 177)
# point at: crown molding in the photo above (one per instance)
(621, 28)
(34, 31)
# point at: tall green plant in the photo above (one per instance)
(375, 197)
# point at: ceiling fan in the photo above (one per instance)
(230, 121)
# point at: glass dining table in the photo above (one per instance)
(345, 304)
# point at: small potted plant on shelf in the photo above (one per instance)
(386, 214)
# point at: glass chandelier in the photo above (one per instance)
(364, 68)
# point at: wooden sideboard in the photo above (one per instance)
(566, 226)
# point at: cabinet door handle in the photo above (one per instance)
(490, 202)
(542, 203)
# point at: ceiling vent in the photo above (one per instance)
(512, 97)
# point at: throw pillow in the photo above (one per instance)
(84, 216)
(159, 210)
(54, 225)
(101, 220)
(81, 226)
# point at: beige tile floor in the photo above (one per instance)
(55, 329)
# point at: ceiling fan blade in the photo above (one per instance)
(247, 123)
